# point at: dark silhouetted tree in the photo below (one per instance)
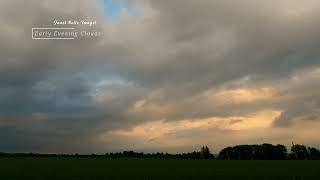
(280, 152)
(254, 152)
(205, 153)
(300, 151)
(313, 153)
(226, 153)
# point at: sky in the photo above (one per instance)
(112, 9)
(164, 76)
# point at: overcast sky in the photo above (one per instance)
(166, 75)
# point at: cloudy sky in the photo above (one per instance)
(166, 75)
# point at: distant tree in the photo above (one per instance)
(254, 152)
(313, 153)
(226, 153)
(236, 153)
(268, 150)
(300, 151)
(205, 153)
(257, 152)
(280, 152)
(195, 155)
(243, 152)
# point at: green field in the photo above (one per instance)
(17, 168)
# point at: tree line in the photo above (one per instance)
(239, 152)
(269, 152)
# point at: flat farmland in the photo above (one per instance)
(70, 168)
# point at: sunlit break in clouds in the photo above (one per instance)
(158, 75)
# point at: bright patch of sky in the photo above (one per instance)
(112, 9)
(110, 82)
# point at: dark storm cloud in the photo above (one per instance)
(160, 64)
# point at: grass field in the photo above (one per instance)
(18, 168)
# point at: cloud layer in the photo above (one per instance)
(245, 66)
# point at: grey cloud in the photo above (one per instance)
(305, 109)
(169, 55)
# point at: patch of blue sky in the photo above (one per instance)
(112, 9)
